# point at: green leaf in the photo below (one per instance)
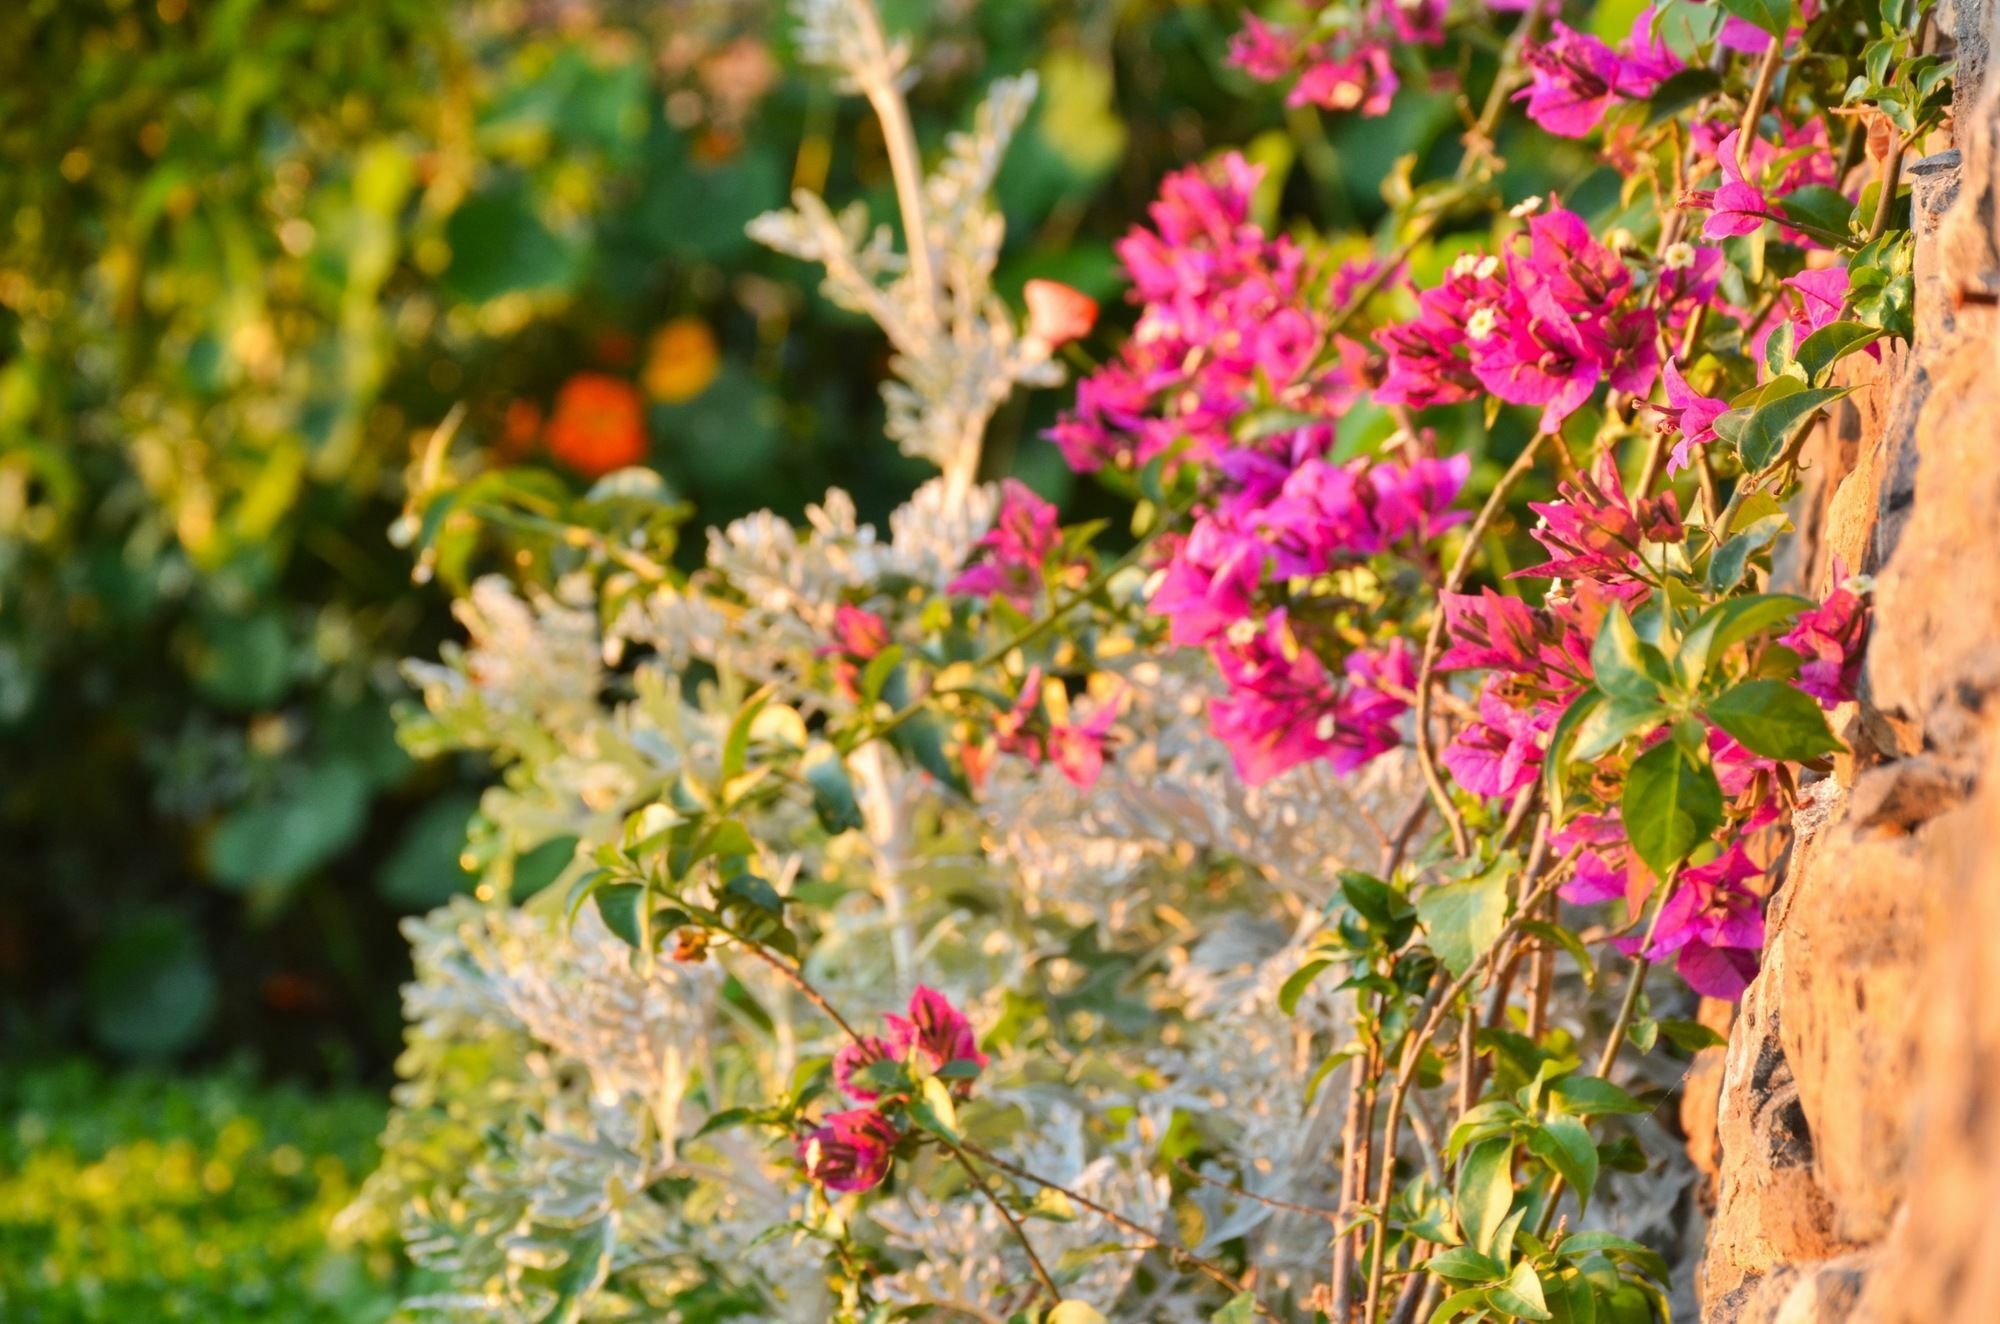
(1240, 1310)
(1565, 1145)
(1579, 1244)
(1295, 986)
(151, 986)
(273, 843)
(736, 747)
(1727, 624)
(1678, 91)
(1593, 1096)
(725, 1120)
(934, 1111)
(1485, 1193)
(1775, 719)
(1773, 16)
(1671, 805)
(620, 906)
(1463, 919)
(1612, 724)
(1691, 1036)
(1727, 565)
(1555, 763)
(1772, 425)
(757, 891)
(1462, 1264)
(834, 800)
(1052, 1205)
(1819, 206)
(1574, 1301)
(1832, 343)
(1625, 666)
(1374, 900)
(1521, 1297)
(1459, 1303)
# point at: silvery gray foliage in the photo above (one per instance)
(958, 354)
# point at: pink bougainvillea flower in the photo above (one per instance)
(1077, 748)
(1008, 560)
(1058, 314)
(1347, 76)
(858, 635)
(1492, 632)
(856, 1057)
(1602, 871)
(1738, 207)
(1690, 414)
(1648, 60)
(1264, 52)
(849, 1151)
(1501, 752)
(1574, 79)
(1715, 923)
(1829, 638)
(1596, 532)
(934, 1034)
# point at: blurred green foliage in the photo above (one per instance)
(209, 1200)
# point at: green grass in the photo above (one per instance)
(138, 1197)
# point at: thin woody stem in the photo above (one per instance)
(1013, 1221)
(1641, 964)
(1436, 1006)
(1427, 673)
(1185, 1258)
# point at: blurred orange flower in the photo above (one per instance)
(682, 361)
(599, 425)
(1058, 314)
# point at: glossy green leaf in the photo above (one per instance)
(1463, 919)
(1818, 352)
(933, 1109)
(1671, 804)
(1485, 1194)
(1593, 1096)
(1772, 425)
(619, 906)
(1625, 666)
(1565, 1145)
(1727, 624)
(1775, 719)
(1773, 16)
(1521, 1295)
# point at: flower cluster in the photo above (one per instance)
(1340, 60)
(1575, 78)
(1542, 324)
(851, 1150)
(1008, 562)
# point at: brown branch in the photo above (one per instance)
(1427, 673)
(1178, 1254)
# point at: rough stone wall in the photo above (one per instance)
(1851, 1127)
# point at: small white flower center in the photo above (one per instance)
(1526, 207)
(1678, 257)
(1482, 324)
(1243, 633)
(1325, 727)
(1487, 266)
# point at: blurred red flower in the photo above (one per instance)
(599, 425)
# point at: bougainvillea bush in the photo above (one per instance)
(1288, 906)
